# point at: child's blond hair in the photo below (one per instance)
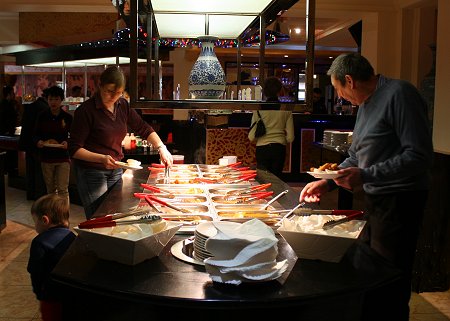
(55, 207)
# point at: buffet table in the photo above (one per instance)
(165, 288)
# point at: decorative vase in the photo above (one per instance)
(207, 78)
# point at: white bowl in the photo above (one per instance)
(127, 251)
(324, 247)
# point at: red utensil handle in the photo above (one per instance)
(205, 180)
(88, 225)
(157, 165)
(348, 213)
(261, 187)
(150, 187)
(234, 164)
(242, 168)
(263, 194)
(139, 195)
(157, 200)
(248, 176)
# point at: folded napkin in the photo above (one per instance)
(243, 253)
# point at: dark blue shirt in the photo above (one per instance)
(46, 250)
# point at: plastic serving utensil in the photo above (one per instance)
(250, 189)
(143, 219)
(332, 223)
(274, 199)
(176, 208)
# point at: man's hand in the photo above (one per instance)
(312, 192)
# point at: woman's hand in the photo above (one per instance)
(109, 162)
(166, 156)
(312, 192)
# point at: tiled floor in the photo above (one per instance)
(18, 303)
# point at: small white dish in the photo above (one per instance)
(326, 175)
(127, 166)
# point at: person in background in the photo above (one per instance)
(51, 220)
(271, 147)
(8, 112)
(391, 156)
(95, 143)
(51, 135)
(76, 91)
(35, 185)
(318, 102)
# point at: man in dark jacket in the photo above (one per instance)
(8, 112)
(35, 181)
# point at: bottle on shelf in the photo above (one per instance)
(138, 144)
(127, 143)
(132, 142)
(144, 146)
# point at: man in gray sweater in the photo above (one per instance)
(391, 156)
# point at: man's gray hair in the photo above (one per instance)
(352, 64)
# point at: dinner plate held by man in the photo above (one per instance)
(53, 145)
(128, 166)
(325, 174)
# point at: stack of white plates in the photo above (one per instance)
(327, 137)
(202, 233)
(338, 138)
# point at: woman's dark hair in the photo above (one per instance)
(351, 64)
(55, 91)
(272, 87)
(55, 207)
(113, 75)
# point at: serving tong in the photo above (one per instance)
(166, 174)
(157, 200)
(253, 197)
(349, 217)
(248, 190)
(97, 223)
(239, 179)
(158, 190)
(265, 206)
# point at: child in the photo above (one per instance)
(51, 135)
(51, 220)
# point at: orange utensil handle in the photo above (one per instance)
(241, 168)
(261, 187)
(234, 164)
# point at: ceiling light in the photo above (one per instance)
(193, 18)
(297, 30)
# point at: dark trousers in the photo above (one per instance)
(393, 227)
(271, 158)
(34, 178)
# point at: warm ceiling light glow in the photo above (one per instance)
(297, 30)
(86, 62)
(286, 56)
(188, 18)
(330, 57)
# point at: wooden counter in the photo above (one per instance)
(165, 288)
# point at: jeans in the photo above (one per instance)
(94, 185)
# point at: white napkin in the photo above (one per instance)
(243, 253)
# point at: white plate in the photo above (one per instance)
(326, 175)
(177, 251)
(53, 145)
(126, 166)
